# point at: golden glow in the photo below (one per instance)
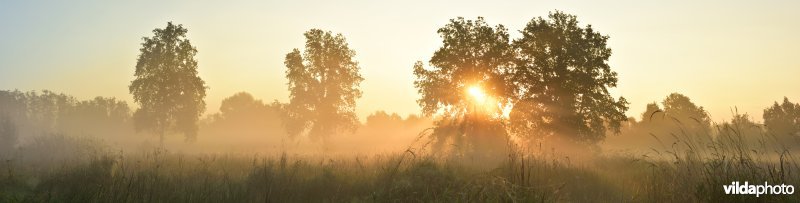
(247, 61)
(477, 94)
(506, 113)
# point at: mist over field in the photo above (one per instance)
(531, 112)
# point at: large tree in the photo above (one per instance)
(169, 92)
(562, 79)
(473, 55)
(323, 86)
(467, 85)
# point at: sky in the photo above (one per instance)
(721, 54)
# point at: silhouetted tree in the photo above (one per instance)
(680, 108)
(562, 79)
(240, 104)
(323, 86)
(742, 133)
(783, 120)
(680, 121)
(100, 116)
(244, 115)
(651, 111)
(381, 119)
(167, 88)
(14, 108)
(473, 57)
(473, 54)
(46, 112)
(47, 109)
(13, 104)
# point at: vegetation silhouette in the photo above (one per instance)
(323, 86)
(167, 89)
(783, 120)
(35, 113)
(467, 86)
(484, 97)
(561, 82)
(659, 126)
(243, 115)
(554, 80)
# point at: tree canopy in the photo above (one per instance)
(555, 78)
(467, 85)
(783, 120)
(473, 55)
(243, 115)
(167, 88)
(323, 86)
(562, 79)
(681, 108)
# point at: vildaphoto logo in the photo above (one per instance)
(746, 189)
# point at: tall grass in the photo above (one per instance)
(691, 169)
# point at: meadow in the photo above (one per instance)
(503, 118)
(59, 168)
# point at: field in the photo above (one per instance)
(59, 168)
(410, 101)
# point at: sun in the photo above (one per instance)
(477, 94)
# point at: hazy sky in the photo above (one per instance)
(719, 53)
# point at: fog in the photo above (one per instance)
(244, 125)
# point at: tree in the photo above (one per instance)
(783, 120)
(381, 119)
(243, 115)
(681, 111)
(742, 132)
(651, 111)
(240, 105)
(169, 92)
(8, 134)
(562, 79)
(323, 86)
(680, 105)
(680, 121)
(467, 85)
(99, 116)
(473, 54)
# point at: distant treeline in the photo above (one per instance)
(49, 112)
(678, 124)
(36, 113)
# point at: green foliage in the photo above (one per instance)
(323, 86)
(167, 88)
(562, 79)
